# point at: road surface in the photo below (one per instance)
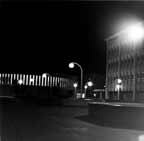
(29, 122)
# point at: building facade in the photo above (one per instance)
(43, 85)
(124, 68)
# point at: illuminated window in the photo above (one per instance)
(17, 76)
(48, 81)
(53, 81)
(31, 80)
(39, 80)
(27, 79)
(14, 76)
(8, 77)
(20, 77)
(56, 81)
(36, 80)
(43, 81)
(0, 78)
(60, 83)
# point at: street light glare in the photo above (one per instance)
(119, 81)
(90, 83)
(71, 65)
(85, 86)
(75, 85)
(135, 32)
(20, 82)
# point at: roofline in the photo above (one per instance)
(118, 33)
(114, 35)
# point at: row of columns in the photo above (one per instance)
(35, 80)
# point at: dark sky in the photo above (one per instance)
(45, 37)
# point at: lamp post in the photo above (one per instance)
(85, 88)
(119, 80)
(71, 65)
(90, 84)
(75, 85)
(118, 87)
(44, 78)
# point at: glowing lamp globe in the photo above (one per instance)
(135, 32)
(75, 85)
(71, 65)
(85, 86)
(119, 81)
(20, 82)
(90, 84)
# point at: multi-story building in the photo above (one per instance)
(125, 67)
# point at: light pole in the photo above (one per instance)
(90, 84)
(119, 80)
(75, 85)
(71, 65)
(85, 88)
(118, 87)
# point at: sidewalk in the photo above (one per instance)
(126, 104)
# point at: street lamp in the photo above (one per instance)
(20, 82)
(135, 35)
(118, 87)
(75, 85)
(90, 83)
(71, 65)
(85, 88)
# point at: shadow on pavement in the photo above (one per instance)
(109, 121)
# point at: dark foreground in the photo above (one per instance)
(22, 121)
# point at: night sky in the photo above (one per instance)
(45, 37)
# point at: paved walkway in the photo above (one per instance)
(126, 104)
(28, 122)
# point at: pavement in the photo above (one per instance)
(30, 122)
(77, 102)
(126, 104)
